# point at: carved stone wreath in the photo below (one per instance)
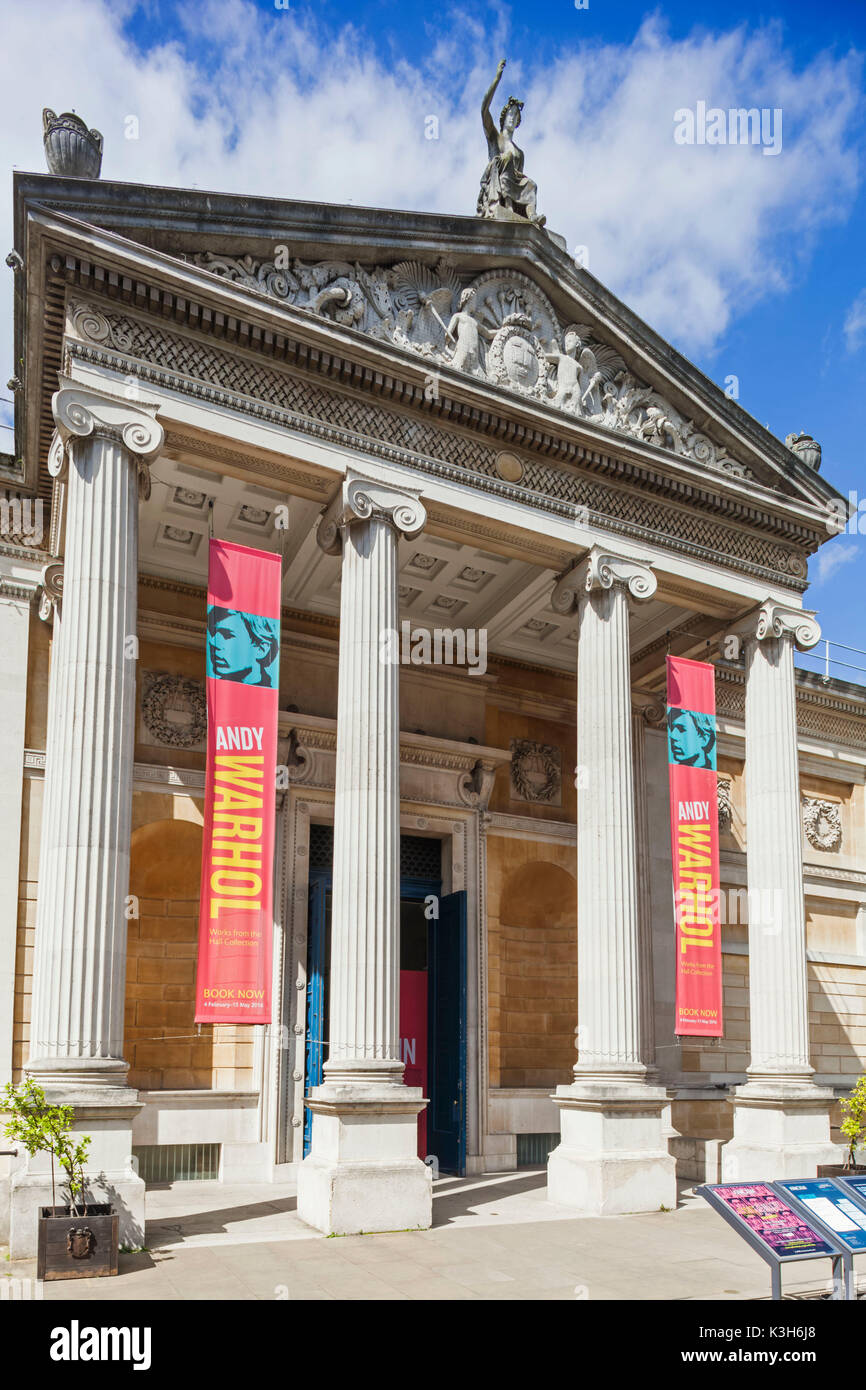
(536, 772)
(174, 710)
(822, 822)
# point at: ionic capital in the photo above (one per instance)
(80, 412)
(601, 570)
(774, 620)
(360, 499)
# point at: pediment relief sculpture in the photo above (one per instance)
(499, 327)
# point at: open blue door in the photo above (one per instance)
(446, 1124)
(317, 980)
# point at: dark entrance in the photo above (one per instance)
(432, 990)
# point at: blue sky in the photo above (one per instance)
(751, 265)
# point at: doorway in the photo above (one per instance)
(432, 991)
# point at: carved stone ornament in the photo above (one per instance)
(51, 590)
(80, 412)
(601, 570)
(474, 787)
(361, 498)
(71, 150)
(807, 449)
(471, 325)
(726, 808)
(775, 620)
(507, 193)
(822, 822)
(536, 772)
(174, 709)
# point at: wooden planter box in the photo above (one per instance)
(76, 1247)
(838, 1170)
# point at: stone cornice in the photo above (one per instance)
(21, 590)
(521, 423)
(345, 420)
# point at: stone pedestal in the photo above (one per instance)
(613, 1154)
(363, 1173)
(781, 1118)
(79, 968)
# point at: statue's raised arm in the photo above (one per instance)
(489, 126)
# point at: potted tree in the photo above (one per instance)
(853, 1127)
(77, 1240)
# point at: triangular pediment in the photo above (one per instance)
(498, 304)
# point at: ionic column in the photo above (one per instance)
(79, 968)
(363, 1172)
(781, 1119)
(17, 592)
(612, 1156)
(80, 951)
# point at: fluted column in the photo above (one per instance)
(777, 934)
(362, 1172)
(608, 938)
(781, 1124)
(100, 449)
(80, 950)
(644, 898)
(612, 1156)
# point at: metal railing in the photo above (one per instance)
(827, 665)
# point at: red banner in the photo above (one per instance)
(695, 845)
(233, 983)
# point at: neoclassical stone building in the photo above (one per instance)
(445, 425)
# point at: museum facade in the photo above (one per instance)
(454, 435)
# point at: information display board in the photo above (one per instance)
(855, 1184)
(778, 1230)
(831, 1208)
(773, 1221)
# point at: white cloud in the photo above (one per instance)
(854, 327)
(246, 101)
(831, 558)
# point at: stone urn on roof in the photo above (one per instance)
(807, 449)
(71, 150)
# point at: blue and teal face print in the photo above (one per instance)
(691, 738)
(242, 647)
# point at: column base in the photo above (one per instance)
(363, 1173)
(105, 1114)
(781, 1130)
(612, 1156)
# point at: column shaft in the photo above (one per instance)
(363, 1172)
(608, 962)
(777, 924)
(781, 1118)
(365, 917)
(612, 1156)
(80, 957)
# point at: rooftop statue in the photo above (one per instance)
(506, 192)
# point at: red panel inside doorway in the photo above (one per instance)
(413, 1040)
